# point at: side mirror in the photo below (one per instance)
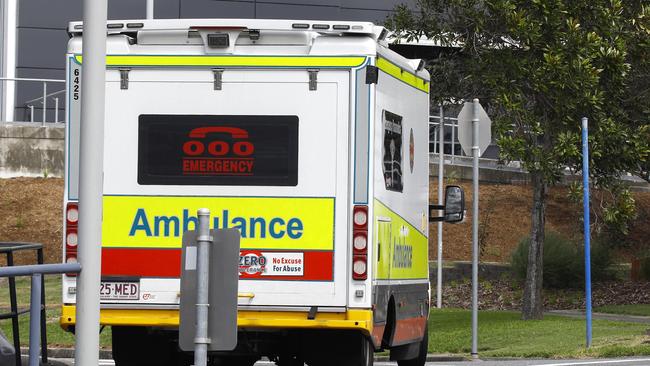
(454, 204)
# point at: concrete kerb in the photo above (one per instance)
(430, 358)
(69, 353)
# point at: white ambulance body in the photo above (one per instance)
(310, 137)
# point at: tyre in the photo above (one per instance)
(356, 350)
(421, 359)
(367, 352)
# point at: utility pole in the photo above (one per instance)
(93, 77)
(587, 227)
(441, 172)
(475, 250)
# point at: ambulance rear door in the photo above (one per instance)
(263, 149)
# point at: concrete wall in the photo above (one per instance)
(31, 151)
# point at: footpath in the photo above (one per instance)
(601, 316)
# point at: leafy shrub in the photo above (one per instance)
(564, 261)
(644, 270)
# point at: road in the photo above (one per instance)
(640, 361)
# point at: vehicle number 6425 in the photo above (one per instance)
(75, 84)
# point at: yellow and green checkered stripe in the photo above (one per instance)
(402, 75)
(231, 61)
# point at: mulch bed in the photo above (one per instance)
(506, 295)
(31, 209)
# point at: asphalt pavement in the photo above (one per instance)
(633, 361)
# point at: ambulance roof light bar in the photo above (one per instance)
(328, 27)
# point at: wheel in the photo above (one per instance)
(367, 352)
(421, 359)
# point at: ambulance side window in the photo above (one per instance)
(392, 151)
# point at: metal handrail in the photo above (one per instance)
(32, 79)
(36, 272)
(47, 96)
(461, 159)
(43, 98)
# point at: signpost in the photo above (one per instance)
(441, 172)
(465, 118)
(93, 77)
(474, 115)
(587, 228)
(209, 283)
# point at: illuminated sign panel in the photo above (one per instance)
(218, 150)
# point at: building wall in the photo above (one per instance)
(42, 37)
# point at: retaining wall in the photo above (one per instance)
(28, 150)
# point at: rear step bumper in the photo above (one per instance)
(359, 319)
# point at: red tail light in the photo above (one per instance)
(72, 214)
(71, 238)
(360, 243)
(360, 267)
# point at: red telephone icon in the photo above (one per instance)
(218, 148)
(236, 133)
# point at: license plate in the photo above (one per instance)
(119, 291)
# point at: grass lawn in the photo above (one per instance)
(637, 309)
(55, 335)
(503, 334)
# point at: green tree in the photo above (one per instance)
(539, 66)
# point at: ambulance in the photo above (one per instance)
(310, 137)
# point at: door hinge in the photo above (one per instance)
(124, 78)
(372, 74)
(313, 79)
(218, 78)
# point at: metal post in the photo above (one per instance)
(35, 319)
(31, 113)
(204, 241)
(93, 82)
(475, 154)
(39, 260)
(441, 172)
(587, 228)
(56, 110)
(149, 9)
(44, 102)
(14, 308)
(454, 125)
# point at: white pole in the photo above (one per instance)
(44, 102)
(441, 172)
(90, 180)
(475, 154)
(10, 51)
(149, 9)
